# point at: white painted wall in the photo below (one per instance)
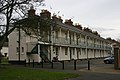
(13, 44)
(4, 50)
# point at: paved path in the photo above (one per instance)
(98, 73)
(96, 76)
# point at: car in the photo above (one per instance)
(109, 60)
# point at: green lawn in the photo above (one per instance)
(15, 73)
(4, 60)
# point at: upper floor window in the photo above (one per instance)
(78, 39)
(66, 35)
(56, 34)
(94, 41)
(73, 36)
(82, 38)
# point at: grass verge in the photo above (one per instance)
(4, 60)
(15, 73)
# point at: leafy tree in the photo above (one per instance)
(12, 11)
(36, 26)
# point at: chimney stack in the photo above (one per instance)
(78, 26)
(55, 18)
(31, 12)
(45, 14)
(69, 22)
(87, 29)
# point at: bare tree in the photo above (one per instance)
(12, 11)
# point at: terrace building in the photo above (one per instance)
(64, 42)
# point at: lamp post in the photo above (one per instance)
(87, 53)
(18, 44)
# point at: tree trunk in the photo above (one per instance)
(1, 45)
(0, 56)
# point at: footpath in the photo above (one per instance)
(98, 73)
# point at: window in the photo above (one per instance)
(17, 50)
(22, 49)
(57, 51)
(70, 38)
(78, 40)
(73, 36)
(73, 51)
(66, 35)
(84, 51)
(66, 51)
(54, 51)
(56, 34)
(80, 52)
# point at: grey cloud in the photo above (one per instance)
(101, 29)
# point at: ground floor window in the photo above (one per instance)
(57, 51)
(22, 49)
(17, 49)
(66, 51)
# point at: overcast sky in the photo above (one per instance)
(99, 15)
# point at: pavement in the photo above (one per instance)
(96, 76)
(98, 73)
